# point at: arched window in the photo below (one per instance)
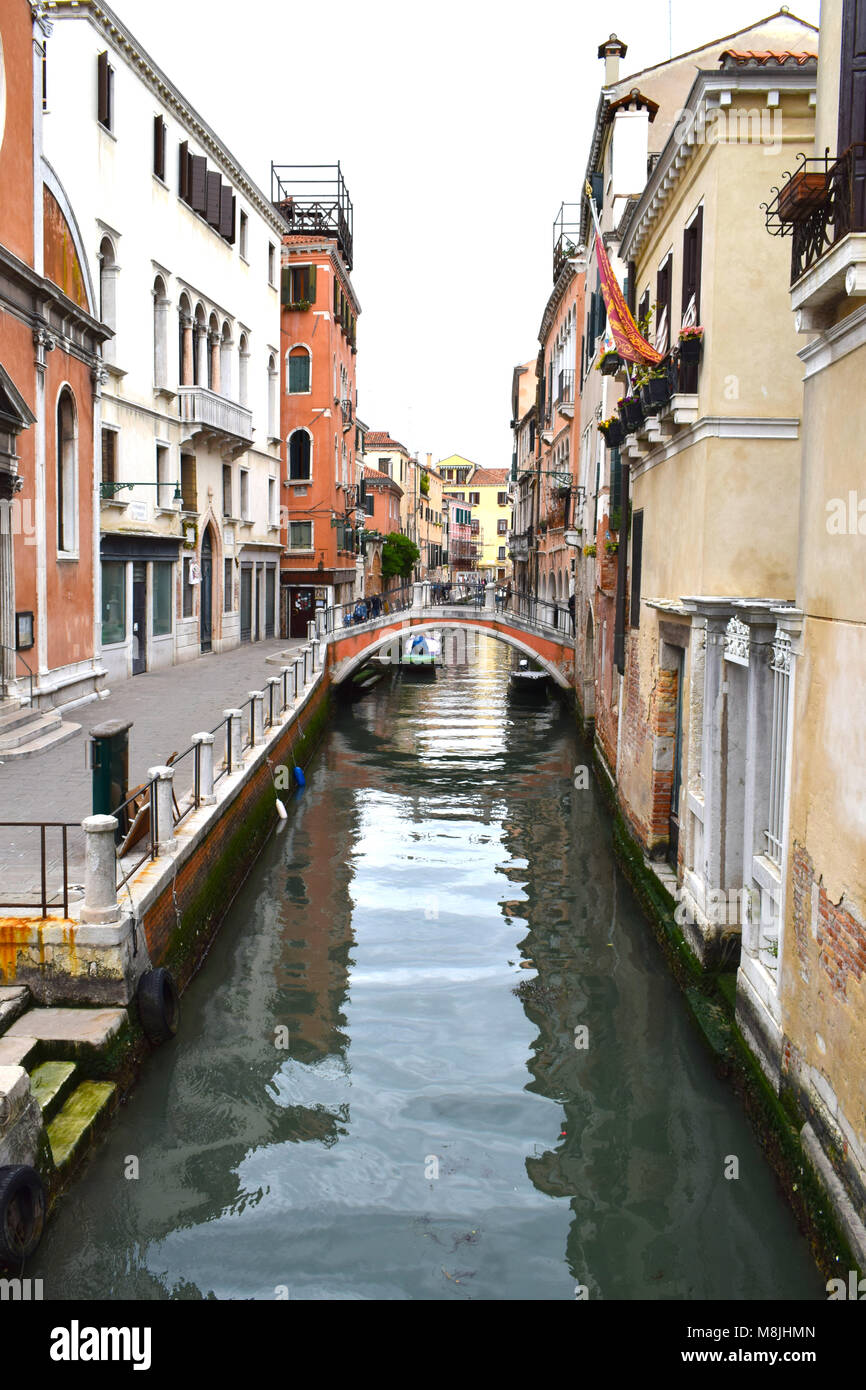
(243, 359)
(299, 456)
(185, 347)
(226, 360)
(160, 333)
(66, 473)
(108, 294)
(300, 370)
(199, 347)
(273, 423)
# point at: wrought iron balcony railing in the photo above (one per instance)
(565, 387)
(818, 205)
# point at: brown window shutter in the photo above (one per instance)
(225, 226)
(183, 171)
(103, 112)
(336, 297)
(198, 183)
(214, 190)
(286, 285)
(159, 147)
(698, 226)
(311, 284)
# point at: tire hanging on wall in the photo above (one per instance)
(158, 1005)
(22, 1213)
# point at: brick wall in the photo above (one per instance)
(840, 937)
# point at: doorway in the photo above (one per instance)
(139, 618)
(301, 610)
(246, 603)
(206, 620)
(676, 779)
(270, 600)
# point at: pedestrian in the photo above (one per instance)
(571, 602)
(508, 596)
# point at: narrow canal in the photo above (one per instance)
(438, 916)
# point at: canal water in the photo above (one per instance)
(375, 1091)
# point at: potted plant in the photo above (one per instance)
(631, 413)
(589, 551)
(609, 363)
(615, 519)
(655, 393)
(611, 546)
(613, 431)
(690, 344)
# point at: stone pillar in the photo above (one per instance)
(186, 364)
(162, 781)
(275, 695)
(205, 744)
(311, 630)
(100, 870)
(288, 676)
(490, 596)
(418, 594)
(161, 307)
(214, 340)
(235, 737)
(305, 657)
(298, 676)
(321, 621)
(258, 717)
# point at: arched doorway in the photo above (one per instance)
(206, 606)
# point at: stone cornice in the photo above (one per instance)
(718, 427)
(681, 146)
(136, 57)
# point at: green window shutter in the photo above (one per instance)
(336, 297)
(286, 285)
(615, 481)
(311, 284)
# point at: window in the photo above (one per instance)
(474, 499)
(204, 191)
(502, 552)
(273, 423)
(159, 134)
(228, 586)
(108, 294)
(164, 496)
(243, 360)
(113, 601)
(188, 486)
(160, 333)
(300, 364)
(109, 456)
(105, 92)
(162, 591)
(272, 501)
(272, 263)
(227, 489)
(243, 234)
(245, 494)
(643, 307)
(501, 526)
(298, 285)
(636, 559)
(384, 466)
(300, 535)
(187, 587)
(370, 504)
(66, 469)
(663, 306)
(299, 456)
(502, 499)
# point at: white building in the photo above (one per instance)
(185, 249)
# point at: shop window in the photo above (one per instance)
(163, 572)
(113, 601)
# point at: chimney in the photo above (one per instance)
(611, 52)
(429, 461)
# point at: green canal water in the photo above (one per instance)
(438, 916)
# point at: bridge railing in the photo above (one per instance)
(356, 611)
(540, 612)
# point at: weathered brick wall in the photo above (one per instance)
(840, 938)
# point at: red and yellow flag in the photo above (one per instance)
(629, 342)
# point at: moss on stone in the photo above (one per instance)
(70, 1131)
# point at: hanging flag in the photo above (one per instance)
(629, 342)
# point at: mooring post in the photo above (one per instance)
(288, 685)
(257, 699)
(274, 683)
(235, 737)
(100, 870)
(205, 744)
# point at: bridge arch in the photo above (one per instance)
(342, 669)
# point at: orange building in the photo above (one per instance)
(321, 472)
(50, 381)
(382, 497)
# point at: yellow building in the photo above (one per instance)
(429, 522)
(486, 491)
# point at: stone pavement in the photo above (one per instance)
(167, 707)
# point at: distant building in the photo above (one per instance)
(486, 491)
(382, 497)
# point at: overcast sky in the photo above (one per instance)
(461, 127)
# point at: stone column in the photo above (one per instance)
(161, 306)
(274, 693)
(10, 484)
(205, 743)
(298, 676)
(188, 349)
(418, 594)
(100, 870)
(214, 340)
(235, 739)
(162, 780)
(490, 596)
(321, 621)
(258, 715)
(311, 630)
(288, 677)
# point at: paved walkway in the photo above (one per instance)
(167, 707)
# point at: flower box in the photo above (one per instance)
(655, 394)
(610, 364)
(690, 348)
(589, 551)
(631, 414)
(803, 192)
(613, 432)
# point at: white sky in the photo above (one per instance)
(461, 126)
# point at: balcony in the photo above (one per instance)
(348, 416)
(518, 545)
(565, 393)
(566, 235)
(314, 200)
(822, 207)
(214, 416)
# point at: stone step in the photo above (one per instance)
(33, 725)
(71, 1130)
(19, 1051)
(14, 1000)
(51, 1084)
(68, 1035)
(12, 714)
(58, 734)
